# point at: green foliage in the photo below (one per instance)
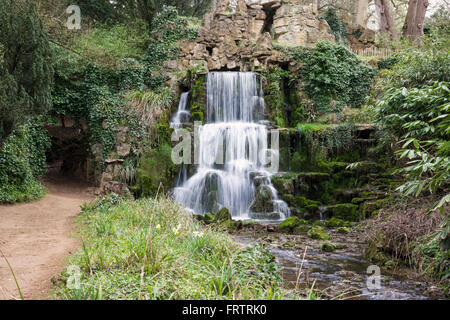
(421, 118)
(167, 29)
(432, 252)
(274, 96)
(337, 25)
(22, 162)
(152, 249)
(156, 171)
(333, 76)
(25, 65)
(108, 45)
(414, 68)
(389, 62)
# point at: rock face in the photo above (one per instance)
(242, 40)
(297, 24)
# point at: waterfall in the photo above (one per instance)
(232, 151)
(182, 115)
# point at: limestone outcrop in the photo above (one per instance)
(243, 39)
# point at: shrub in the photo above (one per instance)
(333, 73)
(22, 162)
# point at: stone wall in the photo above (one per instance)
(243, 39)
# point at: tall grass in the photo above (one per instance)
(152, 249)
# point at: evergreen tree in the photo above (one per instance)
(25, 65)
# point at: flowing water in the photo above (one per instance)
(182, 115)
(233, 151)
(343, 274)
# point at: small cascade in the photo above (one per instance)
(182, 115)
(233, 150)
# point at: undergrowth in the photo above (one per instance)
(152, 249)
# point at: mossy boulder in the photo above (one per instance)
(289, 199)
(220, 216)
(207, 218)
(232, 225)
(328, 247)
(263, 200)
(343, 230)
(319, 233)
(318, 223)
(292, 224)
(284, 185)
(371, 208)
(346, 195)
(334, 223)
(345, 211)
(223, 215)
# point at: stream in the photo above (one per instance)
(342, 274)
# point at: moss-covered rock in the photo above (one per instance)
(289, 199)
(328, 247)
(283, 185)
(334, 222)
(371, 208)
(345, 211)
(319, 223)
(223, 215)
(292, 224)
(346, 195)
(263, 200)
(232, 225)
(343, 230)
(318, 233)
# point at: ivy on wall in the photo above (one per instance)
(168, 28)
(332, 76)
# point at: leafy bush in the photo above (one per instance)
(413, 68)
(333, 73)
(421, 118)
(22, 162)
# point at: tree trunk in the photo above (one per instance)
(413, 27)
(422, 6)
(387, 25)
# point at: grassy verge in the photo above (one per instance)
(152, 249)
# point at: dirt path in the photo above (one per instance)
(37, 237)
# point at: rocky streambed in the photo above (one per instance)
(341, 274)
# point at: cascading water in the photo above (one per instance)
(182, 115)
(232, 153)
